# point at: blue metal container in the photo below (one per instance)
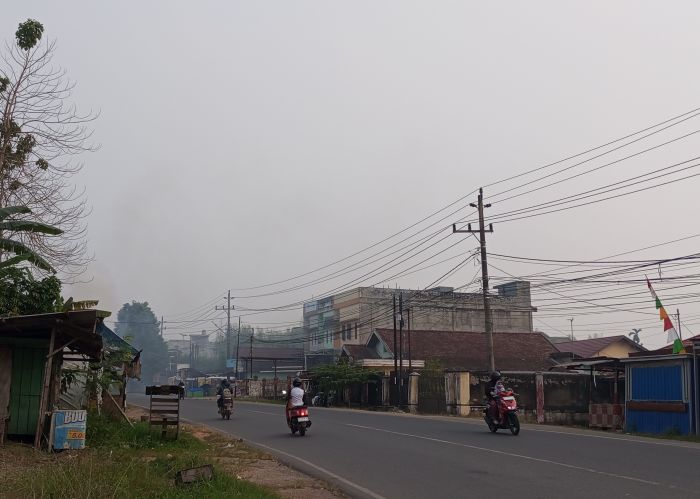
(660, 392)
(68, 429)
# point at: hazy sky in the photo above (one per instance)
(247, 142)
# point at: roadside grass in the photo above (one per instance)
(124, 462)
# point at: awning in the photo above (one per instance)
(596, 363)
(75, 330)
(112, 341)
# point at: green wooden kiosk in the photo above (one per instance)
(31, 354)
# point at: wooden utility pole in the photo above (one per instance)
(488, 319)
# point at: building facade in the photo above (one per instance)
(349, 318)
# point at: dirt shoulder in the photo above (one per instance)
(245, 462)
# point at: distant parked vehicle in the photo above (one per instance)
(323, 399)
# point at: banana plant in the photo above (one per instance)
(20, 251)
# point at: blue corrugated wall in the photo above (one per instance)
(657, 422)
(657, 383)
(663, 383)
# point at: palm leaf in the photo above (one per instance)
(13, 246)
(13, 261)
(27, 226)
(84, 304)
(13, 210)
(28, 255)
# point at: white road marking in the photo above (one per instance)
(682, 445)
(510, 454)
(322, 470)
(531, 427)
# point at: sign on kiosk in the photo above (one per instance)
(68, 429)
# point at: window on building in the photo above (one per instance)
(356, 330)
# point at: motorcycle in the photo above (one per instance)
(298, 419)
(507, 408)
(226, 404)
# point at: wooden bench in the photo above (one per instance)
(164, 410)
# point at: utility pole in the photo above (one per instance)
(238, 346)
(488, 319)
(251, 354)
(161, 326)
(400, 349)
(191, 353)
(572, 329)
(396, 360)
(678, 318)
(228, 309)
(408, 320)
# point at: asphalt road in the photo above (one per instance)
(379, 455)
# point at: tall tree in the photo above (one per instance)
(41, 132)
(137, 323)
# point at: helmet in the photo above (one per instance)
(495, 375)
(296, 382)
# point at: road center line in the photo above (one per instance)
(510, 454)
(268, 413)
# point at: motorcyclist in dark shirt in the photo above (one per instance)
(492, 393)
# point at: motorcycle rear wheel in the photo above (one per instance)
(302, 431)
(513, 424)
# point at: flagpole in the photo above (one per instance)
(678, 318)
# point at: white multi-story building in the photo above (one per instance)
(350, 317)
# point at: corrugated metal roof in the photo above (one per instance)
(468, 350)
(591, 347)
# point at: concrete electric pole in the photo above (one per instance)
(488, 319)
(228, 309)
(572, 329)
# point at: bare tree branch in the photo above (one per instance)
(41, 136)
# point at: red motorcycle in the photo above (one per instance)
(298, 419)
(507, 413)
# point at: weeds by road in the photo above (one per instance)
(120, 462)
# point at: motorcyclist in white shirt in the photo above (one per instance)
(296, 394)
